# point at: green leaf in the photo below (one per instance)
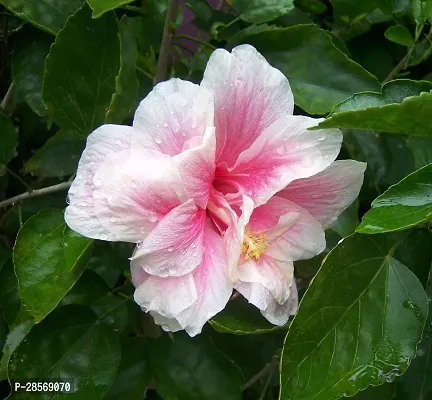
(388, 111)
(58, 157)
(419, 53)
(422, 11)
(421, 149)
(49, 258)
(313, 6)
(8, 140)
(393, 6)
(69, 344)
(383, 392)
(123, 102)
(191, 369)
(358, 323)
(400, 35)
(258, 11)
(297, 51)
(134, 373)
(49, 15)
(111, 310)
(100, 7)
(201, 9)
(17, 332)
(406, 204)
(80, 80)
(10, 301)
(28, 65)
(3, 332)
(241, 318)
(349, 9)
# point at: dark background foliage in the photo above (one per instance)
(67, 313)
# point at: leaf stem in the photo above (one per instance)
(35, 193)
(164, 53)
(17, 177)
(195, 39)
(267, 369)
(7, 98)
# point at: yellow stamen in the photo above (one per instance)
(254, 244)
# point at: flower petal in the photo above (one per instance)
(166, 296)
(296, 236)
(328, 193)
(132, 195)
(285, 151)
(175, 245)
(269, 285)
(174, 112)
(249, 96)
(197, 166)
(106, 141)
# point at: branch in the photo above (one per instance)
(164, 53)
(267, 369)
(35, 193)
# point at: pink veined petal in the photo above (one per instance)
(296, 236)
(174, 112)
(175, 245)
(269, 285)
(133, 194)
(166, 296)
(285, 151)
(249, 96)
(328, 193)
(80, 215)
(197, 166)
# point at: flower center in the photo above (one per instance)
(254, 244)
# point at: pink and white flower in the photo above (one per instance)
(220, 186)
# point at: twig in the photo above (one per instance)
(164, 53)
(267, 369)
(35, 193)
(7, 97)
(195, 39)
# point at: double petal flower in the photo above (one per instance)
(219, 186)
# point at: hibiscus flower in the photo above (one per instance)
(220, 186)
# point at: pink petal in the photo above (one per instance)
(328, 193)
(132, 195)
(166, 296)
(174, 112)
(197, 166)
(269, 285)
(249, 96)
(175, 245)
(80, 215)
(285, 151)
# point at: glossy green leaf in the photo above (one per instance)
(358, 323)
(8, 140)
(241, 318)
(123, 102)
(3, 331)
(201, 8)
(49, 258)
(297, 50)
(422, 11)
(258, 11)
(400, 35)
(191, 369)
(111, 310)
(80, 80)
(10, 301)
(5, 255)
(134, 373)
(69, 344)
(49, 15)
(406, 204)
(419, 53)
(28, 65)
(349, 9)
(393, 6)
(100, 7)
(313, 6)
(388, 111)
(58, 157)
(383, 392)
(421, 149)
(17, 332)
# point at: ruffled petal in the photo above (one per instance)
(174, 112)
(175, 245)
(106, 141)
(328, 193)
(284, 152)
(249, 96)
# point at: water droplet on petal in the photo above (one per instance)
(152, 217)
(297, 145)
(165, 124)
(165, 328)
(172, 270)
(118, 142)
(134, 185)
(326, 156)
(170, 249)
(280, 150)
(194, 253)
(212, 251)
(157, 140)
(68, 201)
(113, 219)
